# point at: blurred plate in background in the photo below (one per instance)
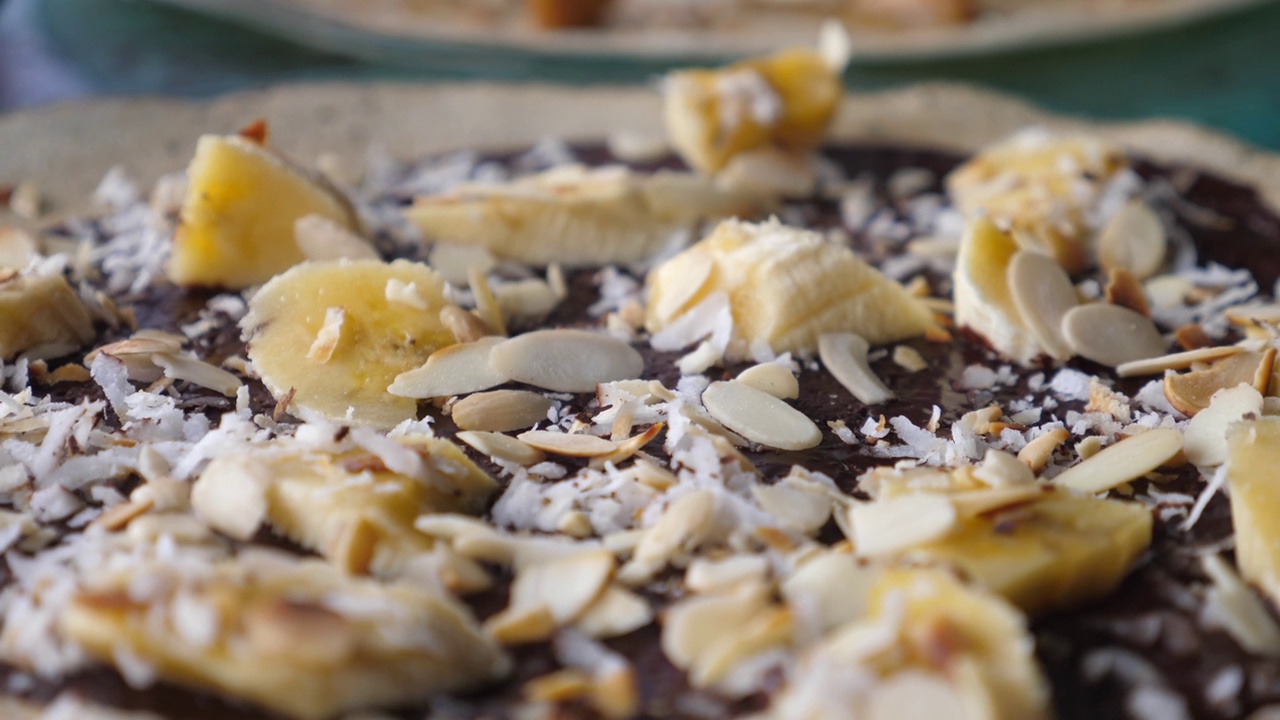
(410, 33)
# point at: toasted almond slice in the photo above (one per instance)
(1125, 290)
(617, 612)
(693, 625)
(502, 447)
(464, 324)
(794, 506)
(632, 445)
(972, 503)
(565, 586)
(760, 417)
(1175, 361)
(681, 526)
(908, 358)
(1133, 240)
(566, 360)
(770, 628)
(328, 336)
(1042, 292)
(1206, 434)
(575, 445)
(486, 304)
(1036, 454)
(1111, 335)
(845, 357)
(557, 686)
(117, 517)
(454, 262)
(500, 410)
(889, 526)
(1192, 337)
(454, 370)
(705, 575)
(522, 626)
(197, 372)
(1192, 392)
(1123, 462)
(773, 378)
(1254, 314)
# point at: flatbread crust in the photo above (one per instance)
(153, 136)
(357, 27)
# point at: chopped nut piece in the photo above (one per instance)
(1037, 453)
(1191, 392)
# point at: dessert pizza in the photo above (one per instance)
(771, 424)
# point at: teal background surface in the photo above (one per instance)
(1223, 72)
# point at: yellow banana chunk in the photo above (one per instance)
(784, 101)
(576, 216)
(238, 215)
(296, 637)
(1253, 454)
(928, 647)
(350, 507)
(1056, 552)
(337, 333)
(983, 299)
(1041, 187)
(786, 287)
(40, 315)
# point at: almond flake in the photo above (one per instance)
(898, 523)
(794, 506)
(566, 360)
(771, 627)
(454, 262)
(1254, 314)
(1043, 294)
(565, 586)
(1175, 361)
(320, 238)
(486, 304)
(834, 586)
(617, 612)
(1206, 434)
(1037, 453)
(328, 336)
(845, 357)
(1125, 290)
(463, 324)
(974, 503)
(1133, 240)
(500, 410)
(1111, 335)
(1001, 469)
(773, 378)
(453, 370)
(531, 298)
(908, 358)
(557, 686)
(681, 527)
(760, 417)
(705, 575)
(522, 626)
(1189, 393)
(692, 626)
(502, 447)
(197, 372)
(694, 273)
(398, 291)
(632, 445)
(575, 445)
(1125, 461)
(25, 201)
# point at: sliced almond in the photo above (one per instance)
(328, 336)
(463, 324)
(773, 378)
(1111, 335)
(557, 686)
(632, 445)
(531, 298)
(693, 625)
(500, 410)
(705, 575)
(1192, 392)
(908, 358)
(845, 357)
(834, 586)
(320, 238)
(1042, 292)
(565, 586)
(197, 372)
(455, 262)
(1001, 469)
(1254, 314)
(1125, 290)
(681, 527)
(454, 370)
(974, 503)
(521, 626)
(618, 611)
(1134, 240)
(760, 417)
(1206, 434)
(889, 526)
(502, 447)
(1123, 462)
(566, 360)
(569, 445)
(795, 507)
(1175, 361)
(1192, 337)
(772, 627)
(486, 304)
(1036, 454)
(693, 275)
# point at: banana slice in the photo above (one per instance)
(576, 216)
(350, 507)
(786, 287)
(784, 101)
(296, 637)
(1043, 187)
(329, 332)
(928, 647)
(983, 298)
(40, 315)
(1252, 457)
(239, 212)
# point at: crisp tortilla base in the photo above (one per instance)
(66, 149)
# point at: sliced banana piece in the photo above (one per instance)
(1253, 454)
(983, 297)
(784, 101)
(238, 216)
(786, 287)
(296, 637)
(577, 216)
(40, 315)
(349, 507)
(378, 339)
